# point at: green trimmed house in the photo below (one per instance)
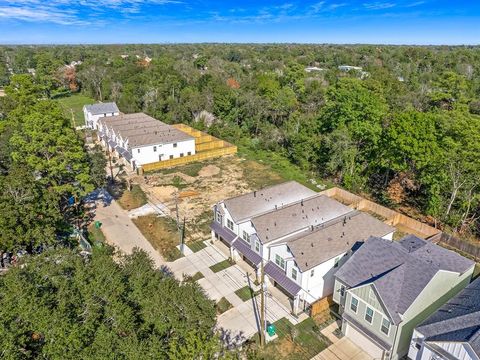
(387, 288)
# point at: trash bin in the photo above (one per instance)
(271, 330)
(98, 224)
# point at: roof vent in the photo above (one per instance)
(301, 202)
(311, 244)
(254, 194)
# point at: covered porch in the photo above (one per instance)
(287, 286)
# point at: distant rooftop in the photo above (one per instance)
(246, 206)
(102, 108)
(458, 320)
(324, 242)
(289, 219)
(143, 130)
(391, 265)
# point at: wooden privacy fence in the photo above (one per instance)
(206, 147)
(204, 155)
(321, 306)
(462, 245)
(401, 222)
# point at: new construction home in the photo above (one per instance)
(140, 139)
(299, 236)
(453, 331)
(95, 112)
(387, 288)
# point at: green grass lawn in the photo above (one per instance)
(189, 169)
(197, 276)
(223, 305)
(221, 266)
(196, 246)
(132, 199)
(295, 342)
(75, 103)
(95, 235)
(245, 293)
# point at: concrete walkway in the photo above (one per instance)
(121, 232)
(341, 348)
(241, 322)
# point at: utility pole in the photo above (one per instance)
(262, 306)
(179, 228)
(110, 164)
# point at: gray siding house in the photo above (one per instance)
(387, 288)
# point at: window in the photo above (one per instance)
(342, 290)
(230, 224)
(219, 217)
(354, 304)
(175, 144)
(246, 237)
(294, 274)
(171, 156)
(181, 154)
(154, 149)
(189, 153)
(279, 261)
(312, 272)
(257, 247)
(369, 315)
(385, 326)
(138, 150)
(336, 262)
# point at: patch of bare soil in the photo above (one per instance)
(209, 170)
(216, 180)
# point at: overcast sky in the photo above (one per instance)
(172, 21)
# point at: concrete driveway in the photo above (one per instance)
(120, 231)
(341, 348)
(241, 322)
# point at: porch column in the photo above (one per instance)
(296, 302)
(213, 235)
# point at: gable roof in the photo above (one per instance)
(391, 265)
(246, 206)
(458, 320)
(324, 242)
(102, 108)
(299, 215)
(142, 130)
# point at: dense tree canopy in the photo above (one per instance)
(402, 129)
(60, 305)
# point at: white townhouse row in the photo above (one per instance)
(95, 112)
(140, 139)
(300, 236)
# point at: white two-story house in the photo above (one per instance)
(95, 112)
(140, 139)
(300, 237)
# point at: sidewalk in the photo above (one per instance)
(120, 231)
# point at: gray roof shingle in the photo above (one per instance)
(390, 266)
(458, 320)
(102, 108)
(336, 237)
(299, 215)
(246, 206)
(142, 130)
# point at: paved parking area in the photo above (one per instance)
(241, 322)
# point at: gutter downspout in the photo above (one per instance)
(394, 341)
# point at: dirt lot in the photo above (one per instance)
(201, 185)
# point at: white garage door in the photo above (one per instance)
(363, 342)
